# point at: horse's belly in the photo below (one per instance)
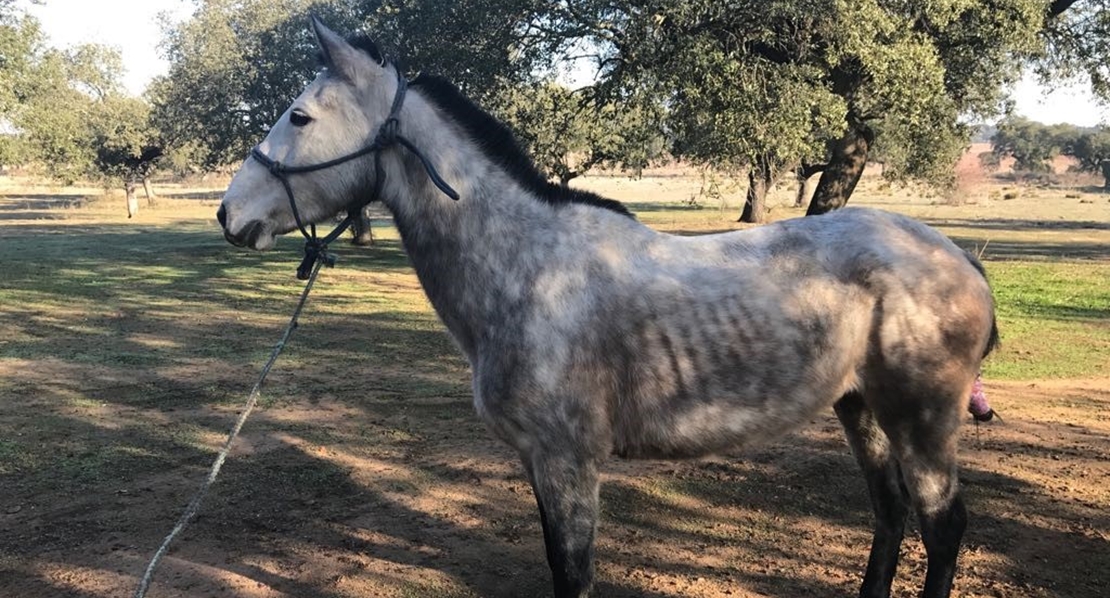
(705, 427)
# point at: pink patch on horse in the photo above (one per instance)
(979, 407)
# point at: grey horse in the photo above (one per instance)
(591, 335)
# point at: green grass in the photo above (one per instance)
(102, 318)
(15, 457)
(1054, 319)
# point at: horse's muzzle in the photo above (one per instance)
(233, 239)
(248, 236)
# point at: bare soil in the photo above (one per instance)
(404, 497)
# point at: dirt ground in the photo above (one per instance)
(365, 472)
(437, 508)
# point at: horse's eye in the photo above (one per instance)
(299, 119)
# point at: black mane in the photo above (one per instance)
(498, 143)
(360, 41)
(364, 43)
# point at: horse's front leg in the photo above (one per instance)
(566, 488)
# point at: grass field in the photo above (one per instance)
(126, 348)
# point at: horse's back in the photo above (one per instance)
(931, 315)
(688, 346)
(736, 337)
(931, 301)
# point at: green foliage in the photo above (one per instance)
(780, 81)
(78, 122)
(1031, 144)
(122, 138)
(476, 44)
(1092, 149)
(94, 70)
(774, 82)
(237, 64)
(234, 68)
(54, 118)
(20, 39)
(1077, 46)
(65, 109)
(567, 132)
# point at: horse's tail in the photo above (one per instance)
(994, 340)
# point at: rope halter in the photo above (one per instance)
(388, 135)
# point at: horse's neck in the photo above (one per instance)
(473, 256)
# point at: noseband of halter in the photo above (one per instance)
(388, 134)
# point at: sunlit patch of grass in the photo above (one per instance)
(97, 463)
(1054, 319)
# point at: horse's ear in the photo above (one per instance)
(338, 56)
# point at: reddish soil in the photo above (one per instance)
(411, 497)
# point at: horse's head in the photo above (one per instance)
(338, 113)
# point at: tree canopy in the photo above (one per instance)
(1031, 144)
(1092, 150)
(1034, 145)
(237, 64)
(20, 42)
(66, 109)
(822, 82)
(566, 133)
(772, 85)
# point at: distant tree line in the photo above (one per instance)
(773, 88)
(1033, 146)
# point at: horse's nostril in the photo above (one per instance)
(221, 216)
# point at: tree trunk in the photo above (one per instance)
(1105, 175)
(364, 234)
(845, 167)
(802, 193)
(149, 192)
(760, 178)
(803, 173)
(132, 201)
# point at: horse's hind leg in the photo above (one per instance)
(566, 488)
(942, 531)
(925, 444)
(873, 452)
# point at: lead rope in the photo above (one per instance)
(252, 400)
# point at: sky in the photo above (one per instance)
(132, 27)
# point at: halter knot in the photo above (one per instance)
(388, 133)
(315, 249)
(275, 168)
